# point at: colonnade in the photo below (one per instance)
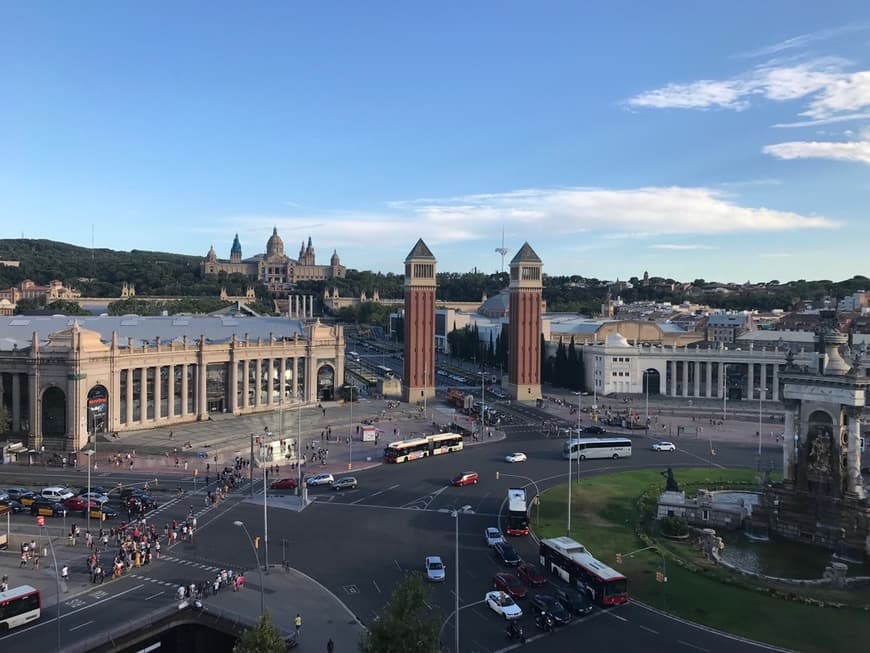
(301, 307)
(707, 379)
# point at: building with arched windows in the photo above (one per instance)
(63, 377)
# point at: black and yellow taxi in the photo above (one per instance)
(101, 512)
(47, 508)
(22, 495)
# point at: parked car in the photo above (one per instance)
(503, 605)
(98, 489)
(284, 484)
(543, 603)
(101, 512)
(576, 602)
(531, 574)
(319, 479)
(506, 554)
(47, 508)
(95, 497)
(12, 504)
(507, 582)
(593, 430)
(516, 457)
(465, 478)
(56, 493)
(346, 483)
(435, 571)
(493, 536)
(22, 496)
(142, 498)
(663, 446)
(78, 503)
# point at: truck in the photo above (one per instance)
(518, 512)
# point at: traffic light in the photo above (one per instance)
(496, 476)
(660, 577)
(256, 541)
(619, 558)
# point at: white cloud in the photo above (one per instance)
(557, 214)
(858, 151)
(686, 247)
(803, 40)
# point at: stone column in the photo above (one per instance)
(672, 366)
(170, 390)
(201, 403)
(775, 389)
(685, 378)
(158, 391)
(295, 379)
(854, 483)
(16, 402)
(184, 389)
(35, 404)
(258, 383)
(245, 385)
(282, 372)
(788, 440)
(708, 380)
(750, 381)
(696, 365)
(270, 381)
(129, 373)
(233, 382)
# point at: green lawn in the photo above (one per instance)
(605, 516)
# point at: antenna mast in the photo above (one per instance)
(502, 250)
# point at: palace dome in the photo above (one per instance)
(275, 246)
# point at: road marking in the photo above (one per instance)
(81, 625)
(153, 596)
(371, 496)
(706, 461)
(376, 587)
(694, 646)
(650, 630)
(398, 565)
(615, 616)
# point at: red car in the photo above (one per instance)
(509, 584)
(78, 503)
(531, 574)
(284, 484)
(465, 478)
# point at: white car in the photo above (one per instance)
(492, 536)
(435, 570)
(501, 603)
(516, 457)
(664, 446)
(319, 479)
(56, 493)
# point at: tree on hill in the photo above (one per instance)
(406, 625)
(262, 638)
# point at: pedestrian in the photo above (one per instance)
(330, 647)
(64, 572)
(298, 623)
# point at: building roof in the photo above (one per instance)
(526, 255)
(419, 251)
(17, 331)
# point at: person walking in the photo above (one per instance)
(298, 623)
(330, 647)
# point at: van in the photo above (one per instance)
(56, 493)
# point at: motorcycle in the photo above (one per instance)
(516, 632)
(544, 621)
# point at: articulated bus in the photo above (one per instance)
(571, 561)
(19, 606)
(584, 448)
(429, 445)
(518, 512)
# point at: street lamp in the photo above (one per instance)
(90, 454)
(257, 557)
(350, 429)
(455, 514)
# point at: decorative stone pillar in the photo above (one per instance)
(158, 391)
(170, 391)
(16, 402)
(750, 381)
(708, 379)
(854, 483)
(789, 440)
(696, 366)
(270, 380)
(246, 386)
(282, 372)
(685, 378)
(233, 381)
(258, 382)
(184, 389)
(774, 392)
(672, 365)
(129, 373)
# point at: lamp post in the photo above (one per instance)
(257, 558)
(90, 454)
(455, 514)
(56, 573)
(265, 523)
(350, 429)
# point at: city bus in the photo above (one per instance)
(19, 606)
(430, 445)
(385, 371)
(518, 512)
(584, 448)
(573, 563)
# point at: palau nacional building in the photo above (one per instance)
(62, 378)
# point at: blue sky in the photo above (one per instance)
(728, 141)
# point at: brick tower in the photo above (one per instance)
(419, 380)
(524, 345)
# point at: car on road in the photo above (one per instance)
(507, 554)
(47, 508)
(283, 484)
(98, 489)
(101, 513)
(594, 430)
(546, 604)
(435, 570)
(507, 582)
(576, 602)
(21, 495)
(530, 573)
(319, 479)
(142, 498)
(78, 504)
(493, 536)
(516, 457)
(663, 446)
(96, 497)
(346, 483)
(12, 504)
(56, 493)
(502, 604)
(465, 478)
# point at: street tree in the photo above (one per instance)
(406, 625)
(262, 638)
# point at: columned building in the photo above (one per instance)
(419, 377)
(524, 354)
(62, 378)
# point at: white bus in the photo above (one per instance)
(19, 606)
(429, 445)
(588, 448)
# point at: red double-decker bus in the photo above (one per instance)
(575, 565)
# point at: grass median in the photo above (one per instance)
(609, 512)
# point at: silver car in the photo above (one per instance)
(346, 483)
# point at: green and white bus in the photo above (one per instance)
(589, 448)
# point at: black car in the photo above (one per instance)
(96, 490)
(145, 500)
(593, 430)
(506, 553)
(47, 508)
(101, 512)
(543, 603)
(13, 504)
(577, 603)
